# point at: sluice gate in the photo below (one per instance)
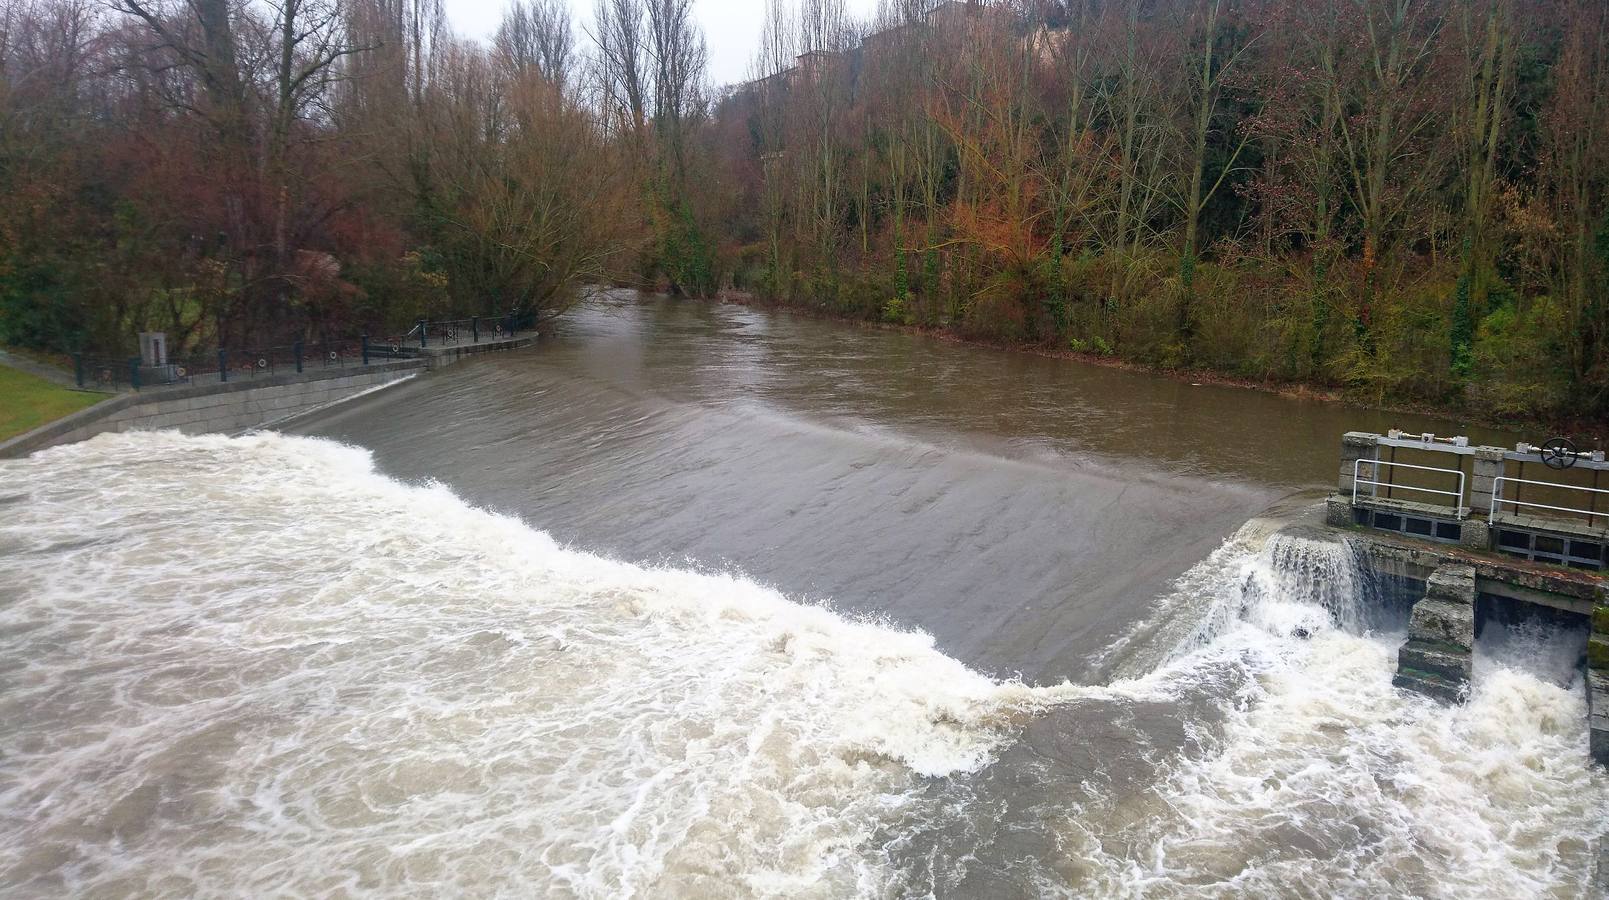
(1487, 532)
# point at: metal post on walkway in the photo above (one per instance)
(298, 352)
(510, 329)
(474, 328)
(134, 372)
(78, 368)
(223, 364)
(365, 349)
(424, 331)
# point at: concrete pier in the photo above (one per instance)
(1436, 660)
(1487, 537)
(1473, 497)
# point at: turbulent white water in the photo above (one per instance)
(246, 666)
(1325, 781)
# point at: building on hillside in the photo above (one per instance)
(946, 18)
(812, 65)
(954, 14)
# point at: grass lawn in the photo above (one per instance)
(27, 402)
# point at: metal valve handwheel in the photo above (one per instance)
(1558, 453)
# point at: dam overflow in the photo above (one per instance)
(676, 625)
(1490, 533)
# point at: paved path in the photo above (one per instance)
(49, 373)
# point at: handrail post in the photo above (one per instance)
(134, 372)
(223, 364)
(424, 332)
(297, 349)
(365, 349)
(78, 368)
(474, 328)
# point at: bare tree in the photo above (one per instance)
(679, 56)
(1391, 160)
(536, 36)
(622, 43)
(1219, 48)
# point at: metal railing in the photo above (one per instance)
(427, 333)
(106, 373)
(393, 344)
(231, 364)
(454, 332)
(1497, 498)
(1358, 479)
(221, 365)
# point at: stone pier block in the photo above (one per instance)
(1441, 622)
(1338, 511)
(1452, 582)
(1485, 469)
(1355, 445)
(1474, 534)
(1438, 658)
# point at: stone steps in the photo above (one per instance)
(1438, 658)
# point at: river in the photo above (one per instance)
(703, 600)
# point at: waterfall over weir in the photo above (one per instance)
(1309, 573)
(1295, 586)
(1282, 581)
(256, 665)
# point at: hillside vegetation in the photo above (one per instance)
(1404, 200)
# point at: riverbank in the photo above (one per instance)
(28, 401)
(219, 407)
(1583, 431)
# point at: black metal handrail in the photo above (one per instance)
(233, 364)
(221, 365)
(455, 332)
(106, 372)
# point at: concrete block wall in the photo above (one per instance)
(214, 408)
(1356, 445)
(1486, 469)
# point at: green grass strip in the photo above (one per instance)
(27, 402)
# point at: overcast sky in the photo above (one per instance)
(731, 27)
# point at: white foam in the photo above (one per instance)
(276, 668)
(1326, 776)
(254, 665)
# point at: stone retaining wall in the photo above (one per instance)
(214, 408)
(439, 356)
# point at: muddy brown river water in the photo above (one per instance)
(697, 600)
(1023, 510)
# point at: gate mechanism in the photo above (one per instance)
(1558, 453)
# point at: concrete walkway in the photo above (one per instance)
(40, 370)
